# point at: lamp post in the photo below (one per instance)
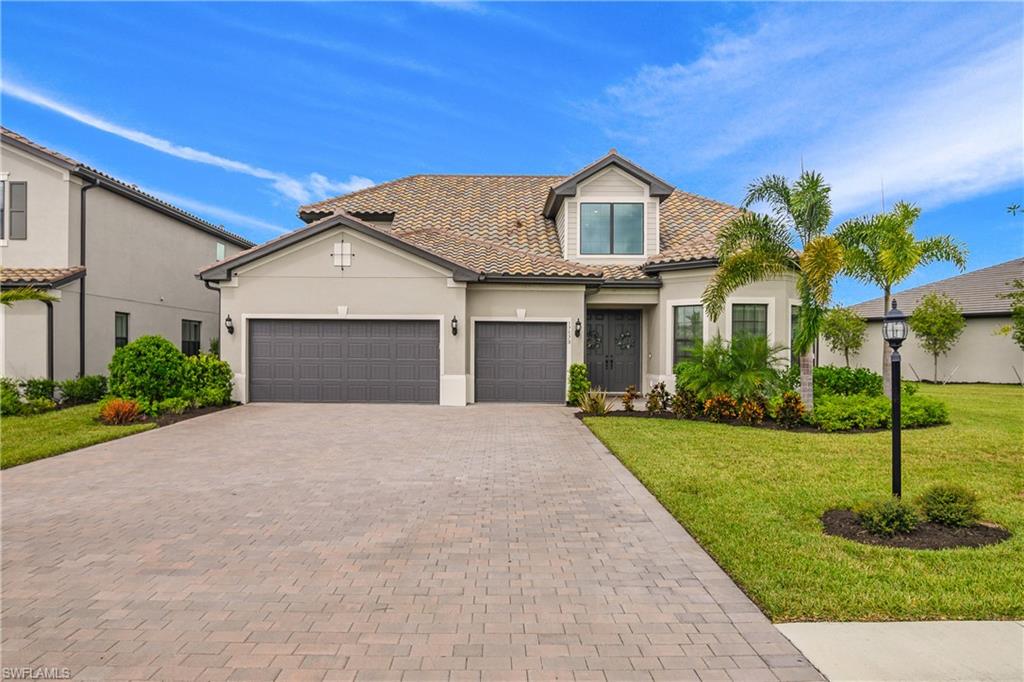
(894, 331)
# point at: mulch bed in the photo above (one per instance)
(167, 418)
(844, 523)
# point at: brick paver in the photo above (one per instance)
(358, 542)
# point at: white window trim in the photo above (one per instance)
(764, 300)
(670, 328)
(471, 370)
(639, 257)
(5, 176)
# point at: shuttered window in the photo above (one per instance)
(18, 211)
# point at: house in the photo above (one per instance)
(455, 289)
(984, 353)
(120, 261)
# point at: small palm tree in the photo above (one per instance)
(791, 240)
(882, 250)
(9, 297)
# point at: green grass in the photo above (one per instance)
(753, 499)
(26, 439)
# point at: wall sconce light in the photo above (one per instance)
(229, 325)
(455, 326)
(578, 328)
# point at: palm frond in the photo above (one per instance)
(820, 262)
(944, 249)
(810, 205)
(9, 297)
(771, 189)
(739, 270)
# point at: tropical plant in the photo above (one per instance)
(745, 368)
(657, 398)
(882, 250)
(579, 382)
(630, 397)
(9, 297)
(791, 240)
(789, 410)
(119, 411)
(595, 403)
(685, 404)
(721, 408)
(751, 411)
(937, 322)
(844, 331)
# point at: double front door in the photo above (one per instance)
(613, 348)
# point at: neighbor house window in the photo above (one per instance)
(794, 323)
(749, 318)
(220, 251)
(612, 229)
(3, 209)
(190, 337)
(120, 329)
(688, 330)
(17, 211)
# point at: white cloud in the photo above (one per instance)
(208, 211)
(927, 98)
(300, 190)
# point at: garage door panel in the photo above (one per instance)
(344, 361)
(520, 361)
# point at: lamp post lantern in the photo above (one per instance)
(894, 331)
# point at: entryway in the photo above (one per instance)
(613, 348)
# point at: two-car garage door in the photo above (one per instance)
(365, 361)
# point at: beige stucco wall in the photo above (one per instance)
(525, 302)
(50, 192)
(301, 281)
(981, 355)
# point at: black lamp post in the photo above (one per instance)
(894, 331)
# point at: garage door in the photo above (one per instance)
(520, 362)
(341, 361)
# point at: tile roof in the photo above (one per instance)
(14, 277)
(977, 292)
(506, 211)
(125, 188)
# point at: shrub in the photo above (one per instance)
(119, 410)
(595, 403)
(10, 398)
(909, 387)
(36, 389)
(751, 411)
(888, 517)
(172, 405)
(657, 398)
(87, 389)
(847, 412)
(149, 367)
(38, 406)
(789, 410)
(745, 368)
(630, 397)
(720, 408)
(922, 410)
(215, 346)
(846, 381)
(950, 505)
(685, 404)
(206, 380)
(579, 382)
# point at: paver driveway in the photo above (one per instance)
(366, 542)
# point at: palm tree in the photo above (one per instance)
(881, 250)
(791, 240)
(9, 297)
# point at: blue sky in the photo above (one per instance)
(239, 112)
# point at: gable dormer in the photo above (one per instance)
(608, 212)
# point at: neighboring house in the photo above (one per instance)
(68, 228)
(467, 288)
(984, 353)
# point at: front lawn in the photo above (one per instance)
(753, 499)
(25, 439)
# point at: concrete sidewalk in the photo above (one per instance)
(940, 651)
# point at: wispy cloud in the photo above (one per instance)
(209, 211)
(301, 190)
(926, 99)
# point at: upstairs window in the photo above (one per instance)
(611, 229)
(3, 209)
(120, 329)
(688, 331)
(750, 319)
(220, 251)
(190, 343)
(18, 210)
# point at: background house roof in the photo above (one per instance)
(978, 292)
(39, 277)
(119, 186)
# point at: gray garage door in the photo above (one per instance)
(342, 361)
(520, 362)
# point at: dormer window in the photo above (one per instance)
(611, 229)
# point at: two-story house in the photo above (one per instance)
(120, 262)
(466, 288)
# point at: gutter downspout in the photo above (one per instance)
(49, 339)
(81, 283)
(209, 285)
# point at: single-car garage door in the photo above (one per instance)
(342, 361)
(520, 362)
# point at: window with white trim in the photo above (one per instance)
(611, 229)
(750, 319)
(687, 330)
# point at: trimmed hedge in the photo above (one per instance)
(150, 368)
(846, 381)
(851, 412)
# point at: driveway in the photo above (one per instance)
(352, 542)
